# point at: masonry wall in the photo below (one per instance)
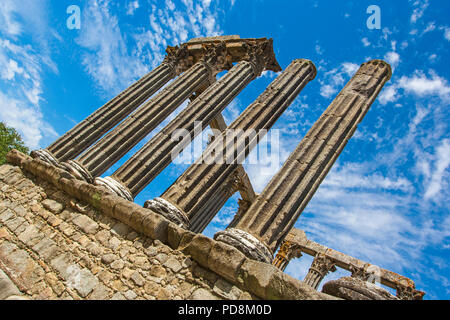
(55, 246)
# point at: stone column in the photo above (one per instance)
(157, 154)
(287, 252)
(137, 126)
(195, 192)
(274, 213)
(320, 267)
(200, 221)
(87, 132)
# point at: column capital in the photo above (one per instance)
(216, 59)
(246, 243)
(260, 55)
(361, 273)
(409, 293)
(290, 250)
(323, 265)
(178, 58)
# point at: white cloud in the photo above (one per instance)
(393, 58)
(438, 180)
(389, 94)
(132, 7)
(108, 57)
(365, 42)
(420, 7)
(419, 84)
(334, 79)
(23, 65)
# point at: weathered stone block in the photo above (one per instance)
(86, 224)
(175, 235)
(255, 276)
(123, 211)
(156, 226)
(7, 287)
(202, 294)
(46, 248)
(199, 248)
(225, 260)
(53, 206)
(173, 264)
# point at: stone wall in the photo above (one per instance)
(65, 239)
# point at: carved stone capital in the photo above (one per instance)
(216, 59)
(361, 273)
(409, 293)
(115, 187)
(78, 171)
(169, 211)
(178, 58)
(323, 265)
(290, 251)
(246, 243)
(259, 54)
(46, 156)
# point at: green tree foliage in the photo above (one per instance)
(10, 139)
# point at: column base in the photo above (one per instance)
(78, 171)
(246, 243)
(46, 156)
(168, 211)
(115, 187)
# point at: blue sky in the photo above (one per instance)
(386, 199)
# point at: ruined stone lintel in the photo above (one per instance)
(78, 171)
(115, 187)
(169, 211)
(246, 243)
(320, 267)
(46, 156)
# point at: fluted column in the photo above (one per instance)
(200, 221)
(84, 134)
(287, 252)
(275, 211)
(137, 126)
(320, 267)
(157, 154)
(194, 192)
